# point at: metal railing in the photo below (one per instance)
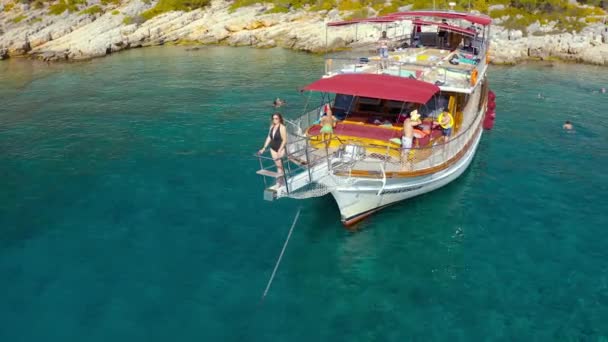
(378, 161)
(444, 74)
(418, 158)
(304, 153)
(298, 126)
(297, 159)
(394, 158)
(405, 63)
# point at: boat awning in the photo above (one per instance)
(377, 86)
(472, 18)
(411, 15)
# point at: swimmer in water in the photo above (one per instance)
(277, 103)
(603, 90)
(568, 125)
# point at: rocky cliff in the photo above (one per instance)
(73, 36)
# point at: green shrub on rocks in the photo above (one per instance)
(568, 17)
(173, 5)
(115, 12)
(350, 5)
(323, 5)
(19, 18)
(278, 9)
(133, 20)
(92, 10)
(8, 7)
(242, 3)
(66, 5)
(38, 4)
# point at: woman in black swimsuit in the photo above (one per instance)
(277, 139)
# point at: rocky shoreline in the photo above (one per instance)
(77, 36)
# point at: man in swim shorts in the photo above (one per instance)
(408, 138)
(408, 129)
(328, 122)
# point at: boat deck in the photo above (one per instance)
(380, 150)
(427, 64)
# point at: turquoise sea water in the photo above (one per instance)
(130, 211)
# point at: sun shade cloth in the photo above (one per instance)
(410, 15)
(377, 86)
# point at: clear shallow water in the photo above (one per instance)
(130, 210)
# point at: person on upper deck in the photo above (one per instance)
(383, 43)
(442, 34)
(276, 139)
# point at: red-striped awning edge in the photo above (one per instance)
(411, 15)
(376, 86)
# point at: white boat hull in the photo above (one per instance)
(367, 196)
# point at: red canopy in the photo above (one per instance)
(377, 86)
(410, 15)
(473, 18)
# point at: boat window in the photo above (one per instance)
(437, 104)
(395, 107)
(343, 105)
(369, 101)
(343, 101)
(366, 104)
(428, 38)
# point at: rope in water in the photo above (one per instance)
(276, 266)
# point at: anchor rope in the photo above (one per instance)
(243, 332)
(276, 266)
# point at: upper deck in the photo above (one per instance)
(442, 53)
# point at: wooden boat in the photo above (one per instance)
(438, 69)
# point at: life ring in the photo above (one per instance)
(473, 77)
(440, 120)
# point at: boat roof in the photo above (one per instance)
(377, 86)
(413, 15)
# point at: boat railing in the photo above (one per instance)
(379, 159)
(298, 126)
(405, 64)
(304, 155)
(440, 75)
(371, 46)
(298, 160)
